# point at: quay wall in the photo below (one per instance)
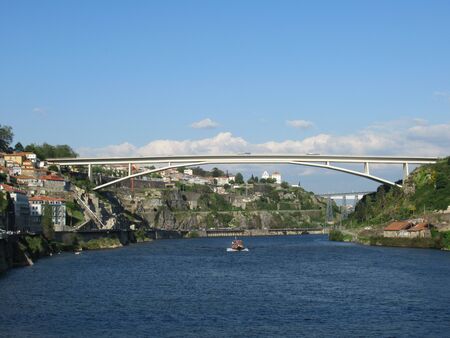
(262, 232)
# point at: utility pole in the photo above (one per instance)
(344, 210)
(329, 210)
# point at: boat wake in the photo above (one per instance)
(234, 250)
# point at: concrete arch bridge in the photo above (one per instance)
(331, 162)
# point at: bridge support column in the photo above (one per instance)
(90, 172)
(405, 170)
(130, 172)
(366, 168)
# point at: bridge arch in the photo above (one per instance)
(311, 160)
(316, 165)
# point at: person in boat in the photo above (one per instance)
(237, 244)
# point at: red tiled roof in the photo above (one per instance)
(24, 177)
(396, 226)
(45, 199)
(9, 188)
(419, 227)
(52, 177)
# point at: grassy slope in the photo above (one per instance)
(427, 189)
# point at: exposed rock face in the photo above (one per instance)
(169, 220)
(262, 208)
(105, 213)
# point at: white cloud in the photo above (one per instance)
(300, 124)
(388, 138)
(204, 124)
(442, 94)
(117, 150)
(40, 111)
(438, 133)
(420, 121)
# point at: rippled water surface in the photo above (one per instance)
(284, 286)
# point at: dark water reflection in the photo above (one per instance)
(285, 286)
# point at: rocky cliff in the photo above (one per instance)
(260, 207)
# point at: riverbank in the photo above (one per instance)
(438, 240)
(24, 250)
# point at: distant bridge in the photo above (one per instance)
(348, 195)
(331, 162)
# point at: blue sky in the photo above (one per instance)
(114, 77)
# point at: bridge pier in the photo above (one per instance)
(90, 172)
(366, 168)
(405, 170)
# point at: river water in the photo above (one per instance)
(284, 286)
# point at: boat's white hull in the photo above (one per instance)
(234, 250)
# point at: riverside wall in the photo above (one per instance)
(262, 232)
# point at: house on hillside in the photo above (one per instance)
(420, 230)
(21, 208)
(221, 181)
(34, 172)
(29, 181)
(14, 169)
(188, 172)
(54, 182)
(277, 177)
(58, 206)
(398, 229)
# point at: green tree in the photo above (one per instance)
(19, 147)
(197, 171)
(285, 185)
(53, 167)
(216, 172)
(6, 137)
(46, 150)
(239, 179)
(47, 222)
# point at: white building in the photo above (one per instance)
(265, 175)
(221, 181)
(29, 181)
(188, 172)
(15, 169)
(21, 208)
(31, 157)
(277, 177)
(36, 207)
(198, 180)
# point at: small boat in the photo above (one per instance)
(237, 245)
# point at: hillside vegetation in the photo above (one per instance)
(426, 190)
